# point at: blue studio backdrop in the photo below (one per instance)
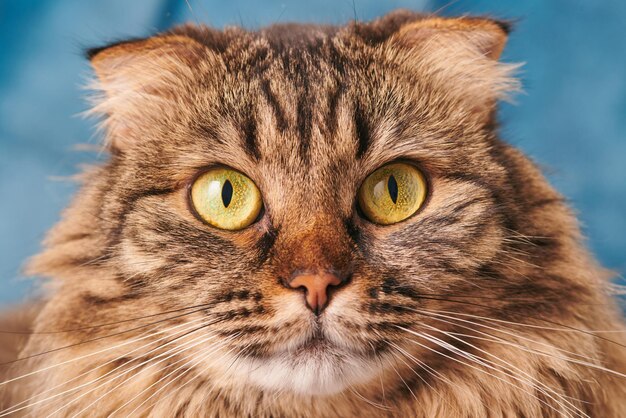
(571, 118)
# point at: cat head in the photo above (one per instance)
(317, 199)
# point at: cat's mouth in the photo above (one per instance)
(316, 365)
(316, 344)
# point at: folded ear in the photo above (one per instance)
(137, 79)
(485, 36)
(461, 54)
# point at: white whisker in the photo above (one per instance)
(202, 358)
(27, 402)
(469, 357)
(166, 355)
(511, 368)
(183, 358)
(77, 358)
(565, 358)
(369, 402)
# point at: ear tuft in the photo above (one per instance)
(505, 25)
(90, 53)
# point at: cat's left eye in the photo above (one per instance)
(226, 199)
(392, 193)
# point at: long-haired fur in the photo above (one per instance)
(485, 303)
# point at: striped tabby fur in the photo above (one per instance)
(484, 304)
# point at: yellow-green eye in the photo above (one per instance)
(226, 199)
(392, 193)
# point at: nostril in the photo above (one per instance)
(344, 281)
(285, 282)
(288, 284)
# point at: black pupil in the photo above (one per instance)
(227, 193)
(392, 186)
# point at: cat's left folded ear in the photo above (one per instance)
(136, 78)
(144, 62)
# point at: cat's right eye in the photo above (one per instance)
(226, 199)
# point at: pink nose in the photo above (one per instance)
(316, 286)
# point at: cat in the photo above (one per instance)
(316, 221)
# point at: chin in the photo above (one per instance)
(318, 370)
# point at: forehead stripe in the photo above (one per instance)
(250, 135)
(304, 122)
(362, 132)
(272, 101)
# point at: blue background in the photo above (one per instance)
(572, 118)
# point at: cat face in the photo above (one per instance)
(307, 116)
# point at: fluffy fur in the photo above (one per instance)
(485, 303)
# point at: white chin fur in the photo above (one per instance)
(325, 372)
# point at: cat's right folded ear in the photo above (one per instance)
(135, 79)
